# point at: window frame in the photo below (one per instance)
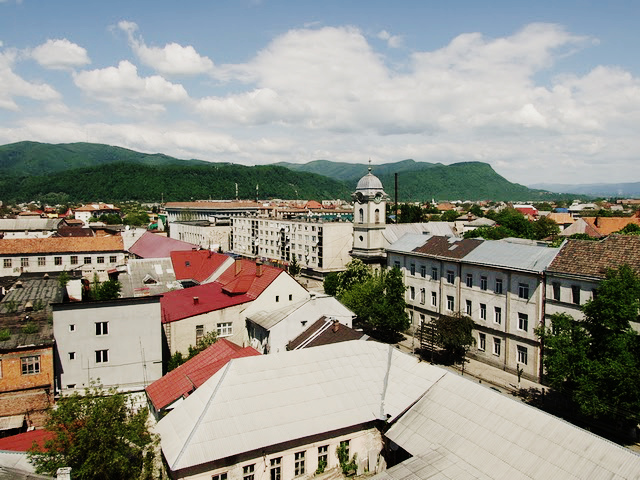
(523, 290)
(30, 365)
(102, 356)
(42, 261)
(499, 286)
(483, 311)
(224, 329)
(497, 346)
(468, 307)
(450, 303)
(434, 299)
(275, 468)
(451, 277)
(523, 322)
(497, 315)
(299, 459)
(7, 263)
(469, 280)
(102, 328)
(323, 455)
(482, 341)
(74, 260)
(435, 274)
(249, 471)
(484, 282)
(522, 354)
(575, 294)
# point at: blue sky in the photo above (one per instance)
(543, 91)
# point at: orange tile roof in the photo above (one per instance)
(95, 207)
(18, 246)
(609, 225)
(561, 218)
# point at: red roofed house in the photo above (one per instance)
(528, 211)
(150, 245)
(223, 305)
(85, 212)
(165, 393)
(200, 266)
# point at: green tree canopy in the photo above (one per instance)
(597, 361)
(99, 435)
(454, 333)
(410, 213)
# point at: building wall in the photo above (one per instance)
(566, 302)
(100, 262)
(366, 443)
(506, 344)
(209, 237)
(133, 341)
(26, 393)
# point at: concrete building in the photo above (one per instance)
(117, 343)
(210, 236)
(85, 212)
(499, 284)
(28, 227)
(214, 211)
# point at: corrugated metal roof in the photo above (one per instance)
(488, 435)
(394, 232)
(309, 309)
(150, 245)
(260, 401)
(30, 224)
(409, 242)
(512, 255)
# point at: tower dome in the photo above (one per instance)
(369, 187)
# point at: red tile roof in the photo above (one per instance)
(193, 373)
(23, 441)
(16, 246)
(608, 225)
(150, 245)
(238, 284)
(97, 207)
(198, 265)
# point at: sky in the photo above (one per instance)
(544, 91)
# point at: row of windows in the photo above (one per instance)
(275, 464)
(102, 328)
(521, 351)
(42, 261)
(223, 329)
(575, 293)
(102, 356)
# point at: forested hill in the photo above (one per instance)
(81, 172)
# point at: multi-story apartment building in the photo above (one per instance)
(214, 211)
(499, 284)
(319, 246)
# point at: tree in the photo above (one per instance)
(545, 227)
(476, 210)
(379, 303)
(596, 362)
(99, 435)
(630, 229)
(454, 333)
(449, 216)
(203, 343)
(356, 273)
(331, 283)
(410, 213)
(108, 290)
(294, 266)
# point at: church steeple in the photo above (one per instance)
(369, 218)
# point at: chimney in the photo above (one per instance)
(238, 265)
(336, 326)
(258, 269)
(196, 300)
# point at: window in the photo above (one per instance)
(345, 444)
(468, 307)
(423, 296)
(87, 260)
(483, 311)
(483, 283)
(102, 356)
(290, 297)
(451, 276)
(556, 290)
(72, 327)
(396, 264)
(57, 260)
(277, 298)
(113, 259)
(482, 341)
(100, 259)
(497, 315)
(498, 285)
(450, 303)
(24, 262)
(496, 346)
(413, 269)
(469, 280)
(522, 354)
(102, 328)
(360, 216)
(423, 271)
(276, 469)
(42, 261)
(434, 273)
(523, 290)
(72, 355)
(74, 259)
(30, 365)
(224, 329)
(6, 263)
(434, 299)
(219, 476)
(575, 294)
(199, 333)
(412, 293)
(323, 456)
(248, 472)
(523, 321)
(299, 463)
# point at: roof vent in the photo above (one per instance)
(196, 300)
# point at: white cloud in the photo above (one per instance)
(393, 41)
(172, 59)
(14, 85)
(124, 88)
(60, 54)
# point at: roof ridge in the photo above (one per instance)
(205, 409)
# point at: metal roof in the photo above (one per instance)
(28, 224)
(148, 276)
(507, 254)
(461, 429)
(256, 402)
(408, 242)
(394, 232)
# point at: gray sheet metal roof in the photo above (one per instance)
(392, 233)
(460, 429)
(408, 242)
(512, 255)
(148, 276)
(260, 401)
(30, 224)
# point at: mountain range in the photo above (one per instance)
(59, 173)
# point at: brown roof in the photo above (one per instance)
(323, 334)
(593, 258)
(609, 225)
(448, 247)
(561, 218)
(18, 246)
(96, 207)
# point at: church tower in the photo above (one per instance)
(369, 220)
